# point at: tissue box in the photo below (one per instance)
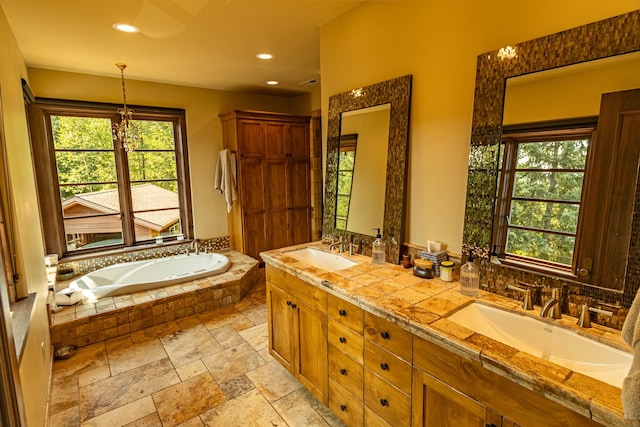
(436, 258)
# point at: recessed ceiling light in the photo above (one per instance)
(273, 82)
(264, 56)
(126, 28)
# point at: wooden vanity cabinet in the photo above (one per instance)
(297, 322)
(273, 209)
(449, 390)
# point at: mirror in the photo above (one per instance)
(594, 41)
(362, 165)
(357, 135)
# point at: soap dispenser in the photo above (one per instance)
(469, 278)
(377, 249)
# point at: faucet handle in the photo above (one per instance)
(527, 302)
(584, 321)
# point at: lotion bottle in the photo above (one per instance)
(377, 249)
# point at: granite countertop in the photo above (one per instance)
(421, 306)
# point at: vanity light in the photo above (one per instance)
(126, 28)
(357, 93)
(264, 56)
(507, 52)
(273, 82)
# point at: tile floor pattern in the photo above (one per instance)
(213, 369)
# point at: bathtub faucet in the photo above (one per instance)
(194, 247)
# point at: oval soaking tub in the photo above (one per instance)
(138, 276)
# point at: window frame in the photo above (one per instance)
(530, 132)
(47, 177)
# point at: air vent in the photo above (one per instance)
(309, 82)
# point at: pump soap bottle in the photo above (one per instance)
(377, 249)
(469, 278)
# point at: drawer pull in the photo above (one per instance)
(343, 371)
(384, 366)
(384, 335)
(343, 408)
(293, 306)
(491, 425)
(343, 340)
(384, 402)
(342, 313)
(288, 302)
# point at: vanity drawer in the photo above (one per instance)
(344, 405)
(388, 366)
(309, 294)
(371, 419)
(386, 400)
(346, 340)
(345, 313)
(388, 336)
(346, 371)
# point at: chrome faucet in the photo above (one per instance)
(551, 308)
(527, 303)
(337, 243)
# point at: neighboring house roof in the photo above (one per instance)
(145, 197)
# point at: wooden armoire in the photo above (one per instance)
(273, 208)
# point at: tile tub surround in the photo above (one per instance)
(110, 317)
(421, 305)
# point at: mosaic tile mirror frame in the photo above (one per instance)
(397, 92)
(609, 37)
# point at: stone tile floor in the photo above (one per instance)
(213, 369)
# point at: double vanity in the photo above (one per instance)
(380, 346)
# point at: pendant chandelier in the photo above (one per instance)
(126, 132)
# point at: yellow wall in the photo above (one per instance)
(438, 42)
(34, 369)
(204, 130)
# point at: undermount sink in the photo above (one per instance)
(550, 342)
(325, 260)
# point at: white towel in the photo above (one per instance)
(225, 177)
(631, 384)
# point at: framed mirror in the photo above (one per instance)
(366, 179)
(612, 37)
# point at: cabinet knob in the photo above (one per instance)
(342, 313)
(384, 366)
(343, 408)
(293, 306)
(343, 340)
(343, 371)
(491, 425)
(384, 335)
(384, 402)
(288, 302)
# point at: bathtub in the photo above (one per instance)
(138, 276)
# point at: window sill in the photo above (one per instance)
(128, 249)
(21, 313)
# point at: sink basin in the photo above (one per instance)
(550, 342)
(325, 260)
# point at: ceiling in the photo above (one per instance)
(201, 43)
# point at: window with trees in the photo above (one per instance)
(540, 195)
(95, 195)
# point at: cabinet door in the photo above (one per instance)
(437, 404)
(310, 330)
(275, 140)
(252, 193)
(280, 323)
(278, 204)
(250, 138)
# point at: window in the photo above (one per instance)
(540, 195)
(97, 196)
(346, 166)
